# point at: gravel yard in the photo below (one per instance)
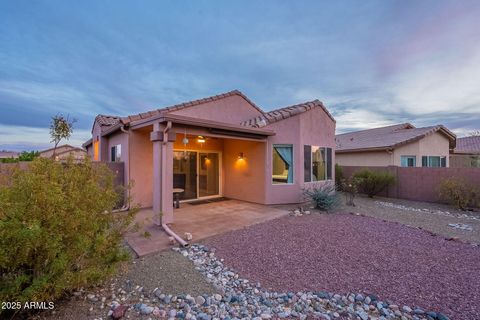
(343, 253)
(429, 216)
(168, 271)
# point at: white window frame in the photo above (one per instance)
(407, 157)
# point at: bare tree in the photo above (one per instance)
(61, 128)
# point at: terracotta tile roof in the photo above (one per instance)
(469, 145)
(107, 121)
(128, 119)
(284, 113)
(387, 137)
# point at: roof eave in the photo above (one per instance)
(198, 123)
(387, 148)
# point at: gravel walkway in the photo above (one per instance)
(345, 253)
(433, 217)
(168, 271)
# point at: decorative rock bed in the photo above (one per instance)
(241, 299)
(438, 212)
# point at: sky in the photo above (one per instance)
(372, 63)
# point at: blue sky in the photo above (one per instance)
(372, 63)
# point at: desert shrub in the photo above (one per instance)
(339, 177)
(373, 182)
(350, 189)
(57, 229)
(459, 193)
(322, 196)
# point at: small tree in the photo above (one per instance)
(61, 128)
(350, 189)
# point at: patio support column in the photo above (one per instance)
(162, 174)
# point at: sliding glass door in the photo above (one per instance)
(208, 175)
(197, 173)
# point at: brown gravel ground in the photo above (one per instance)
(436, 223)
(344, 253)
(167, 270)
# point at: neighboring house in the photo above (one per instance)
(63, 152)
(467, 153)
(401, 145)
(9, 155)
(218, 146)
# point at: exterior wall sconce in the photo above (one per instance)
(200, 139)
(241, 156)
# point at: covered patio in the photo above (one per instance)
(201, 220)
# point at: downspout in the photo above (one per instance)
(167, 229)
(126, 207)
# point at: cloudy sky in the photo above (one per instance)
(372, 63)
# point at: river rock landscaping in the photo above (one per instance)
(239, 298)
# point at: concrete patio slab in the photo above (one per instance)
(202, 221)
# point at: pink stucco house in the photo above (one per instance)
(222, 145)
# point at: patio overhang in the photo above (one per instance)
(215, 128)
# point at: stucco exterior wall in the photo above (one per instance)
(103, 144)
(317, 129)
(244, 179)
(233, 109)
(141, 165)
(118, 138)
(435, 144)
(376, 158)
(121, 138)
(313, 127)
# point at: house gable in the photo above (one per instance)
(232, 109)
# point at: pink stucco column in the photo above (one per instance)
(162, 174)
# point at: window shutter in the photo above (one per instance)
(307, 163)
(329, 163)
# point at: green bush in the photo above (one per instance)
(24, 156)
(459, 193)
(373, 182)
(323, 196)
(57, 229)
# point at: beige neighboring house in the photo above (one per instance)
(63, 152)
(9, 155)
(401, 145)
(466, 153)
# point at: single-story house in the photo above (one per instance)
(466, 153)
(401, 145)
(223, 145)
(9, 154)
(63, 152)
